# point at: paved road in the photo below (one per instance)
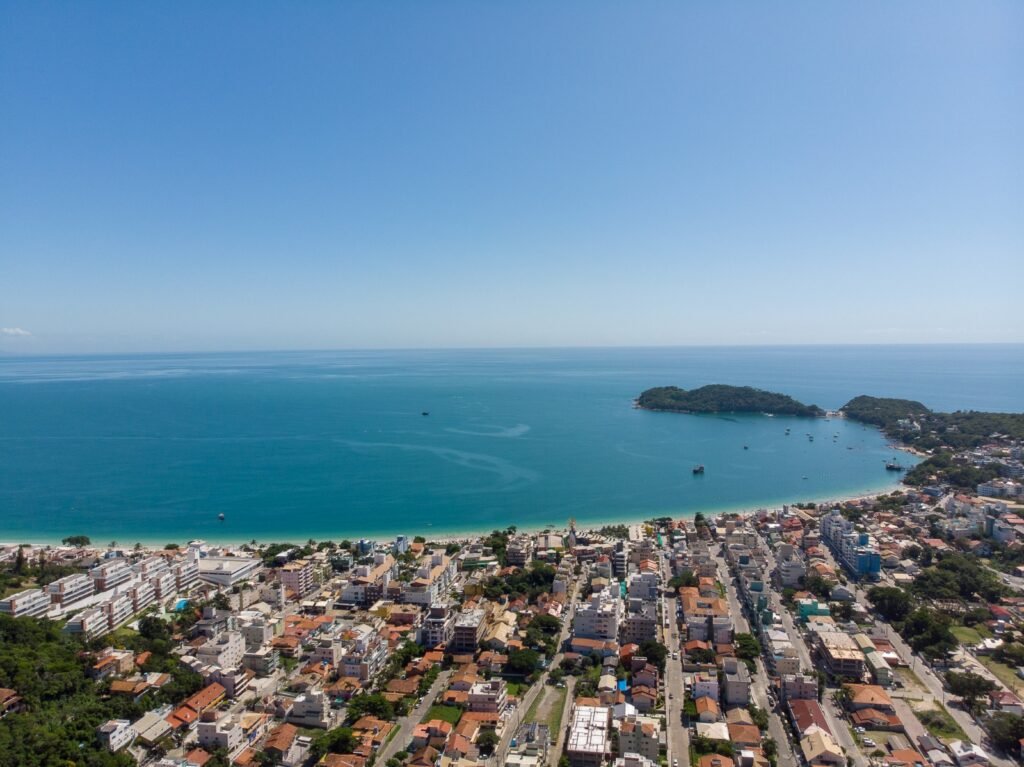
(678, 736)
(759, 679)
(513, 722)
(407, 723)
(570, 692)
(933, 684)
(833, 715)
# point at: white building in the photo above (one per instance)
(588, 743)
(225, 651)
(142, 596)
(118, 609)
(89, 623)
(227, 571)
(488, 697)
(111, 574)
(116, 734)
(33, 603)
(600, 617)
(71, 588)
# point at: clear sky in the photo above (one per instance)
(203, 175)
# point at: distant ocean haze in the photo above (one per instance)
(290, 446)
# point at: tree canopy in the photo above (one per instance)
(721, 398)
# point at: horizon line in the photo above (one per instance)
(526, 347)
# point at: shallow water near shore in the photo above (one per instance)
(296, 445)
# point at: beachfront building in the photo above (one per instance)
(228, 571)
(298, 577)
(186, 572)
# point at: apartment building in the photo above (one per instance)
(33, 603)
(433, 580)
(298, 577)
(118, 609)
(519, 550)
(89, 623)
(468, 628)
(600, 617)
(438, 626)
(489, 697)
(225, 651)
(641, 737)
(70, 589)
(640, 623)
(110, 574)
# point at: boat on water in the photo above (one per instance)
(894, 465)
(698, 469)
(221, 516)
(746, 447)
(810, 438)
(425, 412)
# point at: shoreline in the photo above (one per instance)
(449, 535)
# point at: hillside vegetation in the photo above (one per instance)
(720, 398)
(961, 430)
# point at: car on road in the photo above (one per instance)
(869, 743)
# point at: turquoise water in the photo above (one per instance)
(330, 444)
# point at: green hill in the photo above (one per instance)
(720, 398)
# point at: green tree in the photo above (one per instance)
(969, 686)
(340, 740)
(655, 652)
(77, 541)
(487, 741)
(892, 603)
(522, 661)
(376, 704)
(685, 578)
(1006, 730)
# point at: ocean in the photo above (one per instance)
(333, 444)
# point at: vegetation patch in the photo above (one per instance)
(940, 724)
(450, 714)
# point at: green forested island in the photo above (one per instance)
(721, 398)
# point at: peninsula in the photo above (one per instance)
(720, 398)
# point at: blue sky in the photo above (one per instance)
(203, 176)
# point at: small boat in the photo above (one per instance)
(893, 465)
(746, 447)
(698, 469)
(805, 476)
(810, 438)
(425, 412)
(221, 516)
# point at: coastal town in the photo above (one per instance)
(883, 631)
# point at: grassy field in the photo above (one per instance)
(450, 714)
(516, 689)
(940, 724)
(1005, 674)
(965, 635)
